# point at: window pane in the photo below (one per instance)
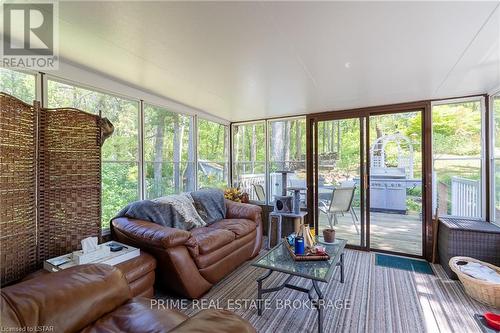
(119, 152)
(119, 187)
(212, 154)
(17, 84)
(458, 187)
(456, 130)
(123, 144)
(287, 148)
(456, 139)
(168, 152)
(249, 164)
(497, 192)
(496, 166)
(496, 115)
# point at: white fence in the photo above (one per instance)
(465, 197)
(246, 182)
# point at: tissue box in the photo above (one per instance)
(84, 258)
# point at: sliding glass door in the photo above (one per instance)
(368, 178)
(395, 182)
(339, 161)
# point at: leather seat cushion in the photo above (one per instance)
(208, 259)
(137, 267)
(211, 239)
(212, 320)
(240, 227)
(138, 315)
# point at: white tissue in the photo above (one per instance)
(89, 244)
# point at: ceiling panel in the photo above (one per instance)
(248, 60)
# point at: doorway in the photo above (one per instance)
(368, 179)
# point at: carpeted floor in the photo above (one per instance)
(372, 299)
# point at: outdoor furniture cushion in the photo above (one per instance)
(210, 239)
(240, 227)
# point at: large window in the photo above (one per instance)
(495, 216)
(287, 152)
(249, 159)
(119, 153)
(260, 175)
(169, 153)
(18, 84)
(212, 154)
(457, 132)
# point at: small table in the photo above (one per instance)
(279, 259)
(298, 218)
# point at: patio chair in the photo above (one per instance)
(259, 192)
(340, 203)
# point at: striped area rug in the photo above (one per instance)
(376, 299)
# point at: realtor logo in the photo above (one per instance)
(30, 37)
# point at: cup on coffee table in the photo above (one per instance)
(329, 235)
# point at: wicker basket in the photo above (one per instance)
(482, 291)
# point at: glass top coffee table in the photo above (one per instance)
(279, 259)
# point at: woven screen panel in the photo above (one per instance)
(17, 188)
(69, 180)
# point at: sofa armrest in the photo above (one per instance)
(211, 320)
(148, 233)
(68, 300)
(237, 210)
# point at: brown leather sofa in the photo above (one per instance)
(189, 263)
(139, 273)
(97, 298)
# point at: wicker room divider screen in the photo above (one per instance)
(17, 188)
(66, 182)
(69, 180)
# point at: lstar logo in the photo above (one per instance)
(30, 35)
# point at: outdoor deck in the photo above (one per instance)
(392, 232)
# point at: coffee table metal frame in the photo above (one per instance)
(338, 257)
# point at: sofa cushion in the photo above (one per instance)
(212, 320)
(240, 227)
(68, 300)
(208, 259)
(211, 239)
(138, 315)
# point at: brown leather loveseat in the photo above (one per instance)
(97, 298)
(189, 263)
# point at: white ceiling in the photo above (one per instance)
(248, 60)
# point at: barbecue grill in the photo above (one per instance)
(388, 190)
